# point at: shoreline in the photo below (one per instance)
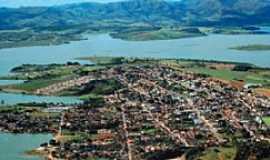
(154, 33)
(26, 142)
(252, 47)
(110, 61)
(170, 78)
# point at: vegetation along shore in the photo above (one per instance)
(146, 108)
(254, 47)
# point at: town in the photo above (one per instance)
(135, 80)
(156, 112)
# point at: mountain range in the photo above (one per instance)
(154, 12)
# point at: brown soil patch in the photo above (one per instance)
(237, 84)
(220, 66)
(234, 84)
(59, 137)
(263, 91)
(219, 80)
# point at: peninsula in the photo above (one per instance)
(147, 109)
(254, 47)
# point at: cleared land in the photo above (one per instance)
(147, 109)
(45, 75)
(244, 73)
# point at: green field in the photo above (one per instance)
(102, 61)
(30, 86)
(162, 34)
(218, 153)
(253, 75)
(90, 96)
(267, 120)
(46, 75)
(258, 77)
(40, 76)
(223, 74)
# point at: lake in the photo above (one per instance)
(265, 28)
(212, 47)
(12, 147)
(14, 98)
(8, 82)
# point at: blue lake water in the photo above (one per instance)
(212, 47)
(13, 98)
(265, 29)
(13, 147)
(8, 82)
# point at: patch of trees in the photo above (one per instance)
(257, 150)
(242, 67)
(101, 87)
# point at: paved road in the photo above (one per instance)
(125, 127)
(162, 126)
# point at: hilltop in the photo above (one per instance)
(155, 12)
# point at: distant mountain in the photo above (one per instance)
(158, 12)
(227, 12)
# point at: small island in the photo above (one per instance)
(254, 47)
(129, 32)
(158, 34)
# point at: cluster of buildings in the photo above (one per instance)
(159, 113)
(28, 121)
(193, 110)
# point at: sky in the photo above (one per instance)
(22, 3)
(19, 3)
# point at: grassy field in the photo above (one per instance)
(219, 153)
(267, 120)
(247, 77)
(75, 136)
(102, 61)
(40, 76)
(220, 70)
(231, 31)
(223, 74)
(162, 34)
(90, 96)
(30, 86)
(223, 71)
